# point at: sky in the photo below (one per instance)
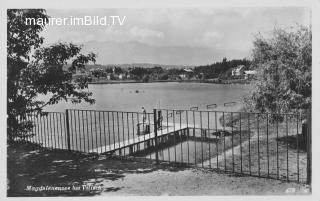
(185, 32)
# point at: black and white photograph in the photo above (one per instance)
(149, 100)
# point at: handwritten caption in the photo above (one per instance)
(64, 188)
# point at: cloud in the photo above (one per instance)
(144, 33)
(220, 28)
(135, 33)
(210, 38)
(115, 34)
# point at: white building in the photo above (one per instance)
(238, 71)
(249, 74)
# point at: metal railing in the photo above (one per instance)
(257, 144)
(210, 106)
(229, 104)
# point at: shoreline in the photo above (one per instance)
(226, 82)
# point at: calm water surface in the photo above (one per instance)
(131, 97)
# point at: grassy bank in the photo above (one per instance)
(275, 149)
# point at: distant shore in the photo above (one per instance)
(164, 81)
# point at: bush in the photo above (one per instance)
(283, 62)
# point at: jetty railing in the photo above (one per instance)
(194, 108)
(211, 106)
(229, 104)
(256, 144)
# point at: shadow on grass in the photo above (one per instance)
(294, 141)
(28, 166)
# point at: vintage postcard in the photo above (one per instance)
(159, 99)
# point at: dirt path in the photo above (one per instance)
(198, 182)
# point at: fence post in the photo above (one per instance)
(159, 119)
(156, 133)
(309, 149)
(68, 130)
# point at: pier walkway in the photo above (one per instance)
(164, 130)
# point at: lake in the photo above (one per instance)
(173, 95)
(95, 131)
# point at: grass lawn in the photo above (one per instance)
(276, 150)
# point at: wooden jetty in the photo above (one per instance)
(147, 138)
(165, 129)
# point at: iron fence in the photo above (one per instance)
(256, 144)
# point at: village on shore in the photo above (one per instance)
(225, 72)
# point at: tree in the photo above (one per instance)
(118, 70)
(33, 70)
(139, 72)
(164, 77)
(157, 70)
(98, 73)
(146, 78)
(220, 69)
(283, 62)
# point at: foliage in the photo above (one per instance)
(109, 70)
(146, 78)
(220, 69)
(283, 62)
(157, 70)
(34, 70)
(139, 72)
(164, 77)
(98, 73)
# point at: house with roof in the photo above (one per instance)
(238, 71)
(186, 74)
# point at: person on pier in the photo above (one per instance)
(144, 115)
